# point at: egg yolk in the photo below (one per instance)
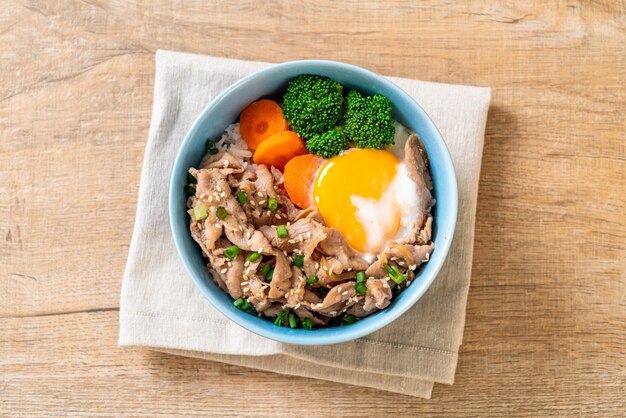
(342, 180)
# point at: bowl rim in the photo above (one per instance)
(317, 336)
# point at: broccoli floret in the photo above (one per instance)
(312, 104)
(368, 122)
(328, 144)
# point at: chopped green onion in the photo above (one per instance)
(293, 321)
(394, 274)
(307, 324)
(190, 190)
(232, 252)
(272, 203)
(191, 179)
(361, 288)
(199, 212)
(269, 276)
(242, 304)
(254, 257)
(348, 319)
(221, 213)
(311, 280)
(211, 148)
(280, 318)
(281, 231)
(242, 198)
(360, 277)
(298, 260)
(265, 269)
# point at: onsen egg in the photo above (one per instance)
(368, 196)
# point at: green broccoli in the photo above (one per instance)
(328, 144)
(312, 104)
(368, 121)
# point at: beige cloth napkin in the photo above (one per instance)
(161, 308)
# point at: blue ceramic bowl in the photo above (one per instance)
(225, 110)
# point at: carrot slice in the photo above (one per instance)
(280, 148)
(260, 120)
(299, 178)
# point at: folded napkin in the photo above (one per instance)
(161, 308)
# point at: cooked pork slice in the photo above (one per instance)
(264, 183)
(357, 309)
(310, 297)
(303, 313)
(256, 289)
(234, 276)
(303, 237)
(311, 213)
(378, 294)
(335, 245)
(418, 172)
(424, 236)
(223, 161)
(296, 294)
(217, 277)
(281, 279)
(338, 298)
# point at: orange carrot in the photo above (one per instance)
(260, 120)
(280, 148)
(299, 178)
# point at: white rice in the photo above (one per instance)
(233, 142)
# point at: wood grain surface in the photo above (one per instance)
(546, 317)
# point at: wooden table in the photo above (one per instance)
(546, 316)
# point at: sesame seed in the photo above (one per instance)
(223, 271)
(218, 187)
(210, 199)
(333, 313)
(225, 163)
(338, 289)
(247, 263)
(259, 194)
(241, 228)
(349, 269)
(268, 213)
(300, 238)
(297, 306)
(277, 216)
(261, 202)
(317, 266)
(245, 283)
(285, 252)
(248, 235)
(288, 223)
(413, 266)
(246, 289)
(401, 263)
(229, 264)
(386, 285)
(223, 194)
(308, 235)
(344, 293)
(330, 271)
(290, 241)
(252, 202)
